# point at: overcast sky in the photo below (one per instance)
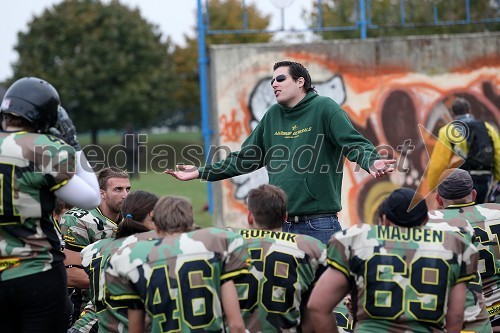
(174, 17)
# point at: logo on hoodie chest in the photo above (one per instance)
(294, 133)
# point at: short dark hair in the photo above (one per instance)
(460, 106)
(136, 206)
(60, 205)
(108, 173)
(297, 70)
(15, 121)
(267, 203)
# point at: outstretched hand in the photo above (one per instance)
(184, 172)
(380, 168)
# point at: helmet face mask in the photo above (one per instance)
(33, 99)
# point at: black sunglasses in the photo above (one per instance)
(279, 78)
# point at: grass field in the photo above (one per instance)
(159, 183)
(162, 184)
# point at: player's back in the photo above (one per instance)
(178, 277)
(80, 228)
(485, 219)
(32, 166)
(402, 275)
(284, 267)
(111, 315)
(94, 259)
(476, 318)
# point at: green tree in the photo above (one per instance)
(109, 65)
(220, 15)
(386, 15)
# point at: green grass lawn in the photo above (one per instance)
(162, 184)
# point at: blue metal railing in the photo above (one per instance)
(205, 110)
(363, 23)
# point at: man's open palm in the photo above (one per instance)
(184, 172)
(380, 168)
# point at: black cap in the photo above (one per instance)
(455, 184)
(397, 208)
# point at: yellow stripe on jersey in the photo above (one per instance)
(58, 186)
(233, 274)
(338, 267)
(124, 297)
(466, 278)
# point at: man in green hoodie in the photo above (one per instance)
(301, 141)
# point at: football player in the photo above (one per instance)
(137, 211)
(402, 275)
(455, 197)
(184, 279)
(35, 168)
(284, 266)
(81, 227)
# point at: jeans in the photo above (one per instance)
(321, 228)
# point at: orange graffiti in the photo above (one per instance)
(416, 101)
(242, 101)
(230, 128)
(386, 104)
(486, 61)
(236, 204)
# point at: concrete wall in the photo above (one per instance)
(387, 86)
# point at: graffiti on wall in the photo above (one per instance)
(386, 108)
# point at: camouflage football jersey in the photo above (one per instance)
(485, 219)
(32, 167)
(177, 278)
(476, 317)
(344, 319)
(87, 322)
(110, 315)
(283, 268)
(401, 277)
(92, 261)
(81, 227)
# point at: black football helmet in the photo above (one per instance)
(35, 100)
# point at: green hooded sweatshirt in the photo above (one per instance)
(301, 148)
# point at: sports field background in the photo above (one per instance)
(153, 180)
